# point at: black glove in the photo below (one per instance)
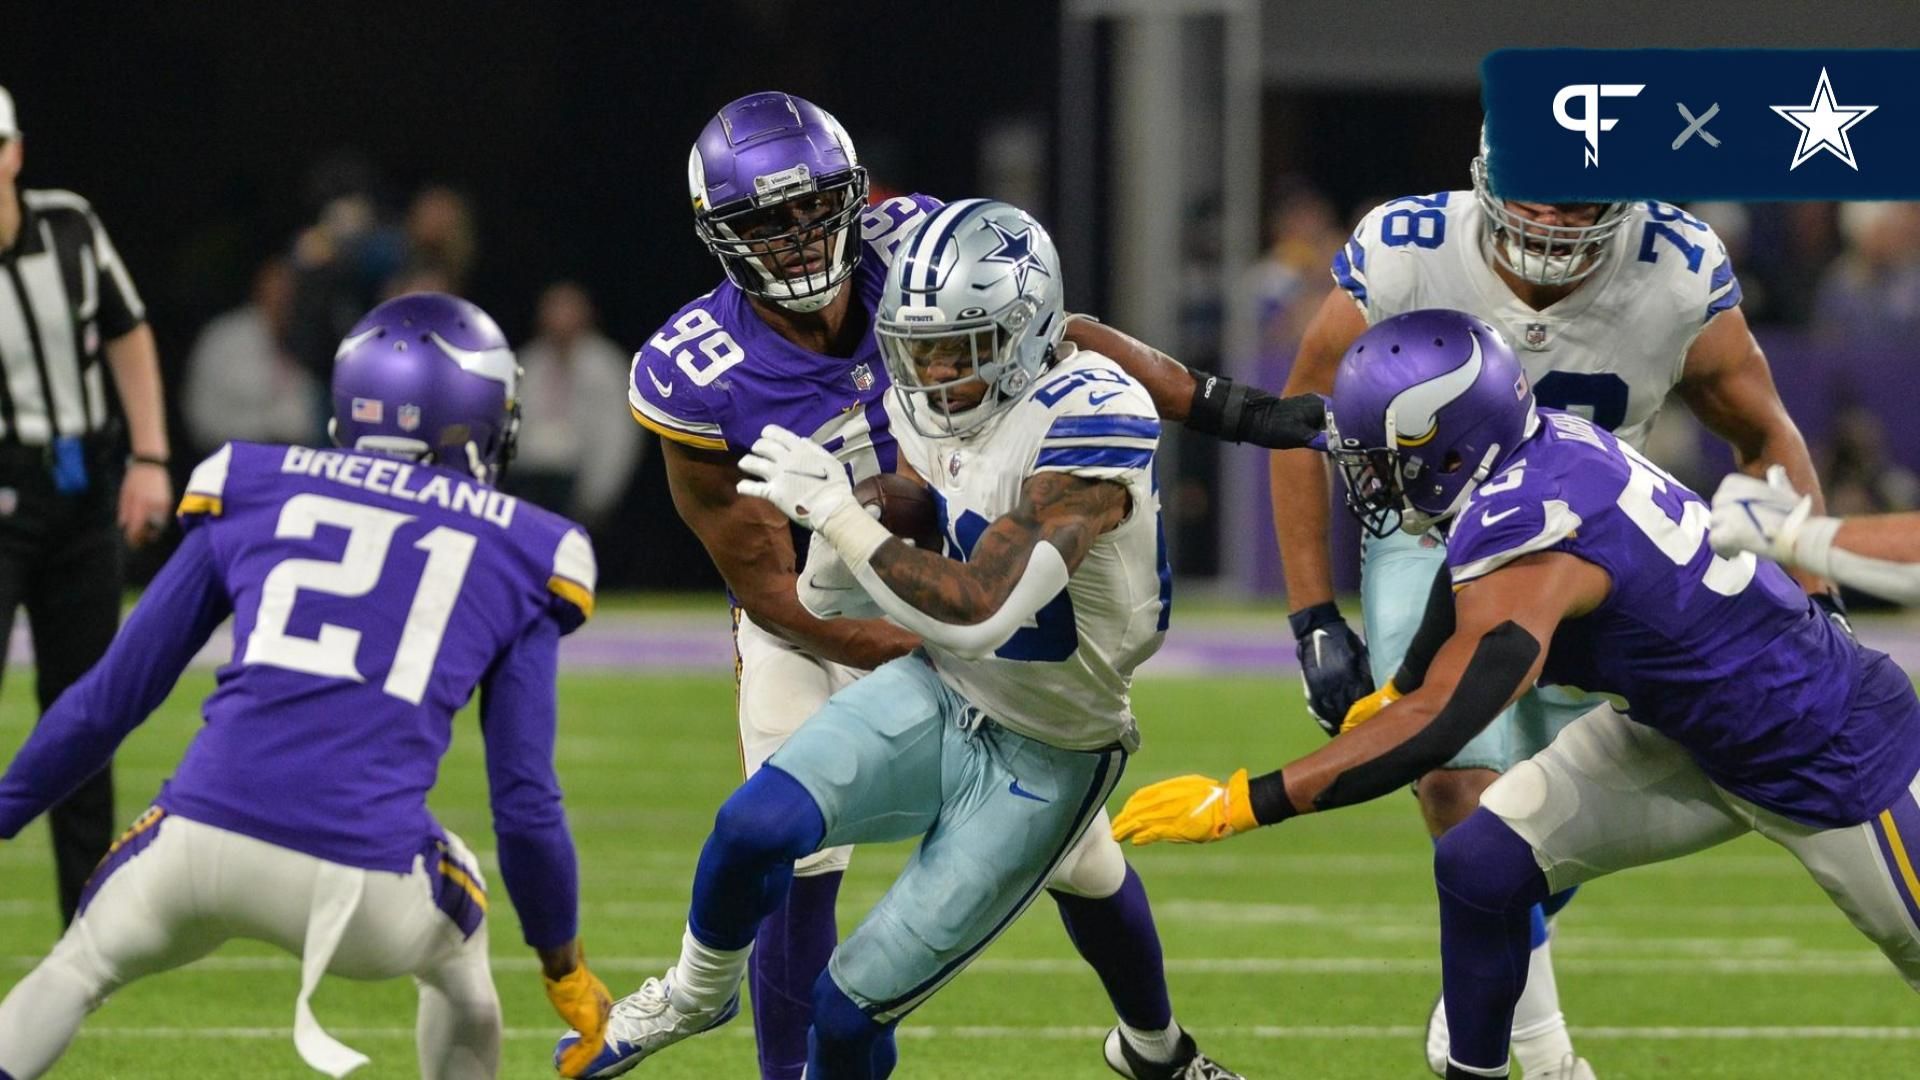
(1238, 413)
(1829, 603)
(1333, 664)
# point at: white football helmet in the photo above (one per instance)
(975, 289)
(1541, 254)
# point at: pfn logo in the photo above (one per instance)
(1589, 122)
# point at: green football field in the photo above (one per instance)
(1308, 950)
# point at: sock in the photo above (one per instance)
(844, 1042)
(1117, 938)
(788, 956)
(745, 870)
(706, 978)
(1540, 1039)
(1488, 882)
(1158, 1047)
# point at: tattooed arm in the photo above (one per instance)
(1066, 512)
(968, 609)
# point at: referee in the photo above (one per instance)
(65, 302)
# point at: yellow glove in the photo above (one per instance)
(1187, 810)
(1368, 707)
(582, 1001)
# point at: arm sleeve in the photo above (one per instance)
(1436, 626)
(121, 308)
(518, 717)
(77, 737)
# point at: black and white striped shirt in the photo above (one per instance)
(64, 294)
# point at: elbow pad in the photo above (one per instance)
(1500, 663)
(1041, 581)
(827, 588)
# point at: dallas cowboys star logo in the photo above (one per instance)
(1823, 125)
(1016, 249)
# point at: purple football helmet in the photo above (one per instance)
(1426, 405)
(777, 194)
(428, 377)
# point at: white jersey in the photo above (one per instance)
(1610, 351)
(1064, 678)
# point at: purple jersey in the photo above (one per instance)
(370, 597)
(716, 373)
(1727, 657)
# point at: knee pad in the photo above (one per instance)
(1095, 868)
(769, 816)
(1485, 864)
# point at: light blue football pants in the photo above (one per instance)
(899, 754)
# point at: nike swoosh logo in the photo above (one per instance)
(665, 390)
(1024, 793)
(1216, 796)
(1490, 518)
(1096, 399)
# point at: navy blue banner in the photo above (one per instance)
(1578, 125)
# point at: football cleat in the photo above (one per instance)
(1188, 1062)
(644, 1023)
(1437, 1036)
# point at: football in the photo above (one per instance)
(904, 507)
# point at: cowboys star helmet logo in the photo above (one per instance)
(1016, 249)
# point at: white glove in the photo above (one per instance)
(1761, 516)
(793, 473)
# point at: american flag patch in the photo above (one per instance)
(368, 410)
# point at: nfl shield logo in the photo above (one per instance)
(368, 410)
(953, 465)
(1536, 335)
(862, 377)
(408, 417)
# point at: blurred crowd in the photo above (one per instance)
(260, 371)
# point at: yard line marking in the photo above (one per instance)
(1803, 963)
(936, 1031)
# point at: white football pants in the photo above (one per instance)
(194, 887)
(1610, 794)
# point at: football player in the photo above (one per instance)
(779, 197)
(1739, 705)
(1613, 306)
(999, 739)
(1875, 553)
(372, 589)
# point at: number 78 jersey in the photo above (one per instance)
(1610, 351)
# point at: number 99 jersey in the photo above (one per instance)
(1064, 679)
(1610, 351)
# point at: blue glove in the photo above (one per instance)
(1333, 664)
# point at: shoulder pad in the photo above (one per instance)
(668, 386)
(575, 574)
(1100, 423)
(886, 224)
(1517, 512)
(206, 489)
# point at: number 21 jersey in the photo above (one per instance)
(370, 596)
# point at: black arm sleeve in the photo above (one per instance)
(1436, 626)
(1504, 657)
(1237, 412)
